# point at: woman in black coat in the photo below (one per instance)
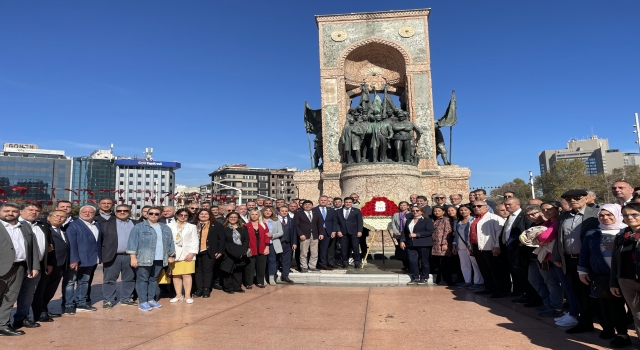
(236, 243)
(417, 240)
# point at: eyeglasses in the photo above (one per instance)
(416, 211)
(182, 215)
(478, 206)
(441, 197)
(533, 214)
(508, 196)
(122, 211)
(153, 214)
(635, 216)
(193, 208)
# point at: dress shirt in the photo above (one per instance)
(473, 229)
(57, 229)
(169, 220)
(510, 219)
(123, 229)
(37, 232)
(323, 210)
(17, 239)
(412, 223)
(94, 229)
(283, 218)
(291, 215)
(571, 228)
(106, 216)
(309, 215)
(345, 212)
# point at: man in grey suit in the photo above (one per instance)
(18, 258)
(573, 225)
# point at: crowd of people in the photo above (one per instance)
(542, 253)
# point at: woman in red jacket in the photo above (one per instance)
(259, 247)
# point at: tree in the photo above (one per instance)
(518, 186)
(563, 176)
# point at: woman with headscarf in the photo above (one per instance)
(594, 269)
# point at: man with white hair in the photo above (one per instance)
(85, 253)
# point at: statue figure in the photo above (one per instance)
(317, 151)
(352, 137)
(403, 137)
(365, 101)
(381, 134)
(441, 149)
(365, 122)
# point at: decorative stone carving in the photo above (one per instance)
(407, 31)
(339, 35)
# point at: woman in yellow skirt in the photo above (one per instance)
(185, 238)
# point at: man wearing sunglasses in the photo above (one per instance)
(572, 227)
(116, 262)
(484, 236)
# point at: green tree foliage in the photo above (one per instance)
(563, 176)
(518, 186)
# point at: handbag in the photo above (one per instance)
(601, 287)
(545, 265)
(163, 278)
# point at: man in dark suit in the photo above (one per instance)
(18, 259)
(59, 262)
(105, 213)
(42, 236)
(573, 225)
(66, 207)
(350, 230)
(515, 255)
(117, 263)
(310, 231)
(289, 242)
(327, 245)
(293, 209)
(85, 254)
(168, 215)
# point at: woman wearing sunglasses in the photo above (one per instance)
(185, 238)
(151, 248)
(417, 240)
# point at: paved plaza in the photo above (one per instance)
(311, 317)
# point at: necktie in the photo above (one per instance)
(284, 223)
(60, 233)
(348, 211)
(324, 216)
(309, 215)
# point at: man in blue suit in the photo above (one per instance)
(289, 242)
(328, 241)
(350, 230)
(85, 253)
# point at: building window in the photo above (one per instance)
(147, 176)
(121, 183)
(130, 191)
(162, 184)
(130, 174)
(121, 174)
(263, 186)
(139, 175)
(139, 183)
(130, 183)
(146, 183)
(155, 176)
(162, 176)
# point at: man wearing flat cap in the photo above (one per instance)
(572, 227)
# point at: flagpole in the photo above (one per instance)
(450, 143)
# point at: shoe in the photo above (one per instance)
(272, 280)
(562, 318)
(176, 299)
(260, 285)
(26, 323)
(217, 286)
(607, 334)
(285, 280)
(521, 300)
(357, 266)
(567, 322)
(198, 293)
(322, 268)
(303, 271)
(44, 318)
(516, 294)
(70, 310)
(54, 315)
(422, 282)
(189, 301)
(229, 291)
(620, 341)
(313, 270)
(550, 313)
(333, 266)
(206, 293)
(350, 261)
(342, 266)
(498, 295)
(533, 304)
(107, 305)
(85, 308)
(580, 329)
(248, 287)
(412, 283)
(544, 308)
(476, 287)
(465, 285)
(129, 302)
(484, 291)
(10, 331)
(145, 307)
(239, 290)
(154, 304)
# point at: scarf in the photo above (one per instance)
(236, 236)
(616, 211)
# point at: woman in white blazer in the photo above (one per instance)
(275, 247)
(185, 238)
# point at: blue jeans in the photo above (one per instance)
(556, 295)
(25, 297)
(77, 296)
(419, 262)
(272, 264)
(574, 305)
(536, 280)
(147, 281)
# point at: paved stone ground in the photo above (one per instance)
(311, 317)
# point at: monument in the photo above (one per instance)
(377, 147)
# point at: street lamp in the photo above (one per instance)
(227, 186)
(637, 131)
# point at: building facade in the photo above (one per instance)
(94, 177)
(282, 186)
(594, 152)
(34, 174)
(253, 182)
(141, 182)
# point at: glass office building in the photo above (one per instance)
(32, 174)
(92, 175)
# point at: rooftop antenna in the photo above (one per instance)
(147, 153)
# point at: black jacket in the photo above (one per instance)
(424, 229)
(215, 239)
(60, 248)
(307, 228)
(109, 231)
(351, 225)
(234, 254)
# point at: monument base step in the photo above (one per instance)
(344, 278)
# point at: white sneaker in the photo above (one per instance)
(563, 317)
(568, 322)
(189, 301)
(175, 300)
(350, 261)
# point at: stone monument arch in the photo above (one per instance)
(377, 50)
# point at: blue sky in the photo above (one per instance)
(208, 83)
